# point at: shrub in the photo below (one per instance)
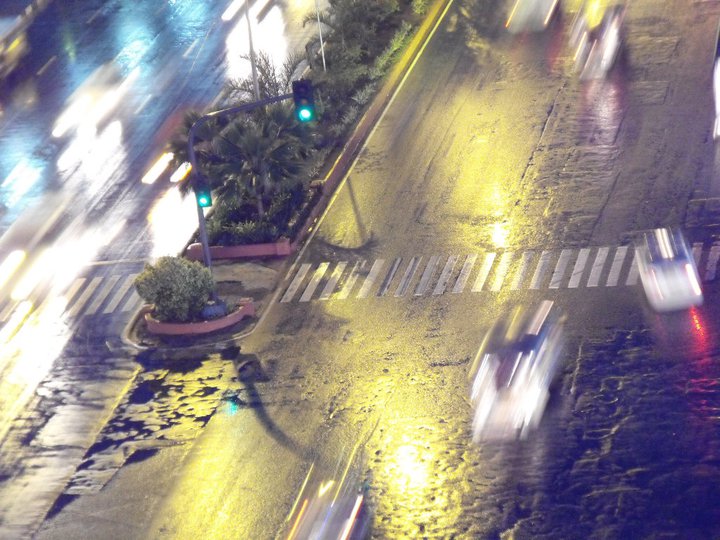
(178, 288)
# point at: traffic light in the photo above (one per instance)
(203, 194)
(304, 100)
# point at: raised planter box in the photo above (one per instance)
(281, 248)
(246, 309)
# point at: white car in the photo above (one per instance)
(531, 15)
(667, 270)
(513, 371)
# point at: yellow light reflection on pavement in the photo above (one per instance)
(16, 321)
(499, 234)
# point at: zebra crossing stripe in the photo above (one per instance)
(578, 269)
(102, 295)
(445, 275)
(522, 269)
(616, 267)
(502, 270)
(295, 284)
(371, 277)
(133, 301)
(350, 281)
(634, 272)
(541, 269)
(697, 252)
(712, 262)
(389, 277)
(332, 282)
(120, 293)
(484, 272)
(407, 276)
(85, 296)
(422, 287)
(464, 273)
(559, 272)
(597, 267)
(314, 282)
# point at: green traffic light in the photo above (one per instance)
(305, 114)
(204, 200)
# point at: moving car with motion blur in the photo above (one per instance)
(596, 36)
(531, 15)
(333, 509)
(513, 371)
(667, 270)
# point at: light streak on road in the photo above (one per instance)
(10, 265)
(157, 169)
(270, 39)
(40, 268)
(15, 322)
(232, 10)
(19, 181)
(181, 172)
(173, 220)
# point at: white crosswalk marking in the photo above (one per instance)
(132, 302)
(445, 275)
(501, 271)
(102, 295)
(541, 269)
(370, 279)
(79, 304)
(351, 279)
(389, 277)
(333, 281)
(120, 293)
(422, 287)
(632, 278)
(577, 271)
(464, 273)
(597, 267)
(314, 282)
(697, 252)
(412, 266)
(295, 284)
(559, 272)
(484, 271)
(713, 257)
(525, 259)
(616, 267)
(508, 271)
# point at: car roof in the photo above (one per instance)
(666, 245)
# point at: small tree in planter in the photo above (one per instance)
(178, 288)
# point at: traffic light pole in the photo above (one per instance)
(196, 175)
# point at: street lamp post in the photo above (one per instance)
(256, 86)
(322, 45)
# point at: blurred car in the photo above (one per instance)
(531, 15)
(667, 270)
(596, 36)
(513, 371)
(333, 510)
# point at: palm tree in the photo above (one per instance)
(259, 154)
(204, 155)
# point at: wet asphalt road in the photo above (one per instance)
(490, 148)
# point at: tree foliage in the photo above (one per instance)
(178, 288)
